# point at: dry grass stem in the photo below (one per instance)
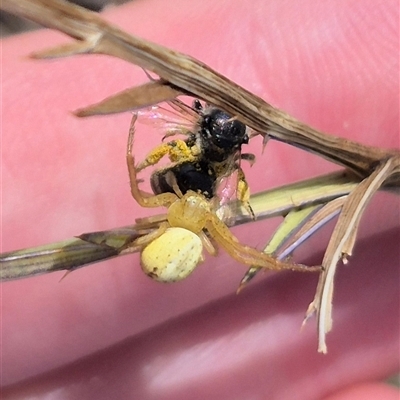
(93, 247)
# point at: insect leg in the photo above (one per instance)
(154, 156)
(243, 193)
(177, 151)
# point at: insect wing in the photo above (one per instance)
(233, 186)
(171, 118)
(227, 207)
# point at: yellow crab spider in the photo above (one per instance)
(172, 251)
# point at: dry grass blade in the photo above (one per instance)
(150, 93)
(340, 246)
(310, 224)
(189, 76)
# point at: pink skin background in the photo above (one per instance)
(108, 331)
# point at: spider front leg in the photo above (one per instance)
(245, 254)
(143, 241)
(207, 244)
(142, 198)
